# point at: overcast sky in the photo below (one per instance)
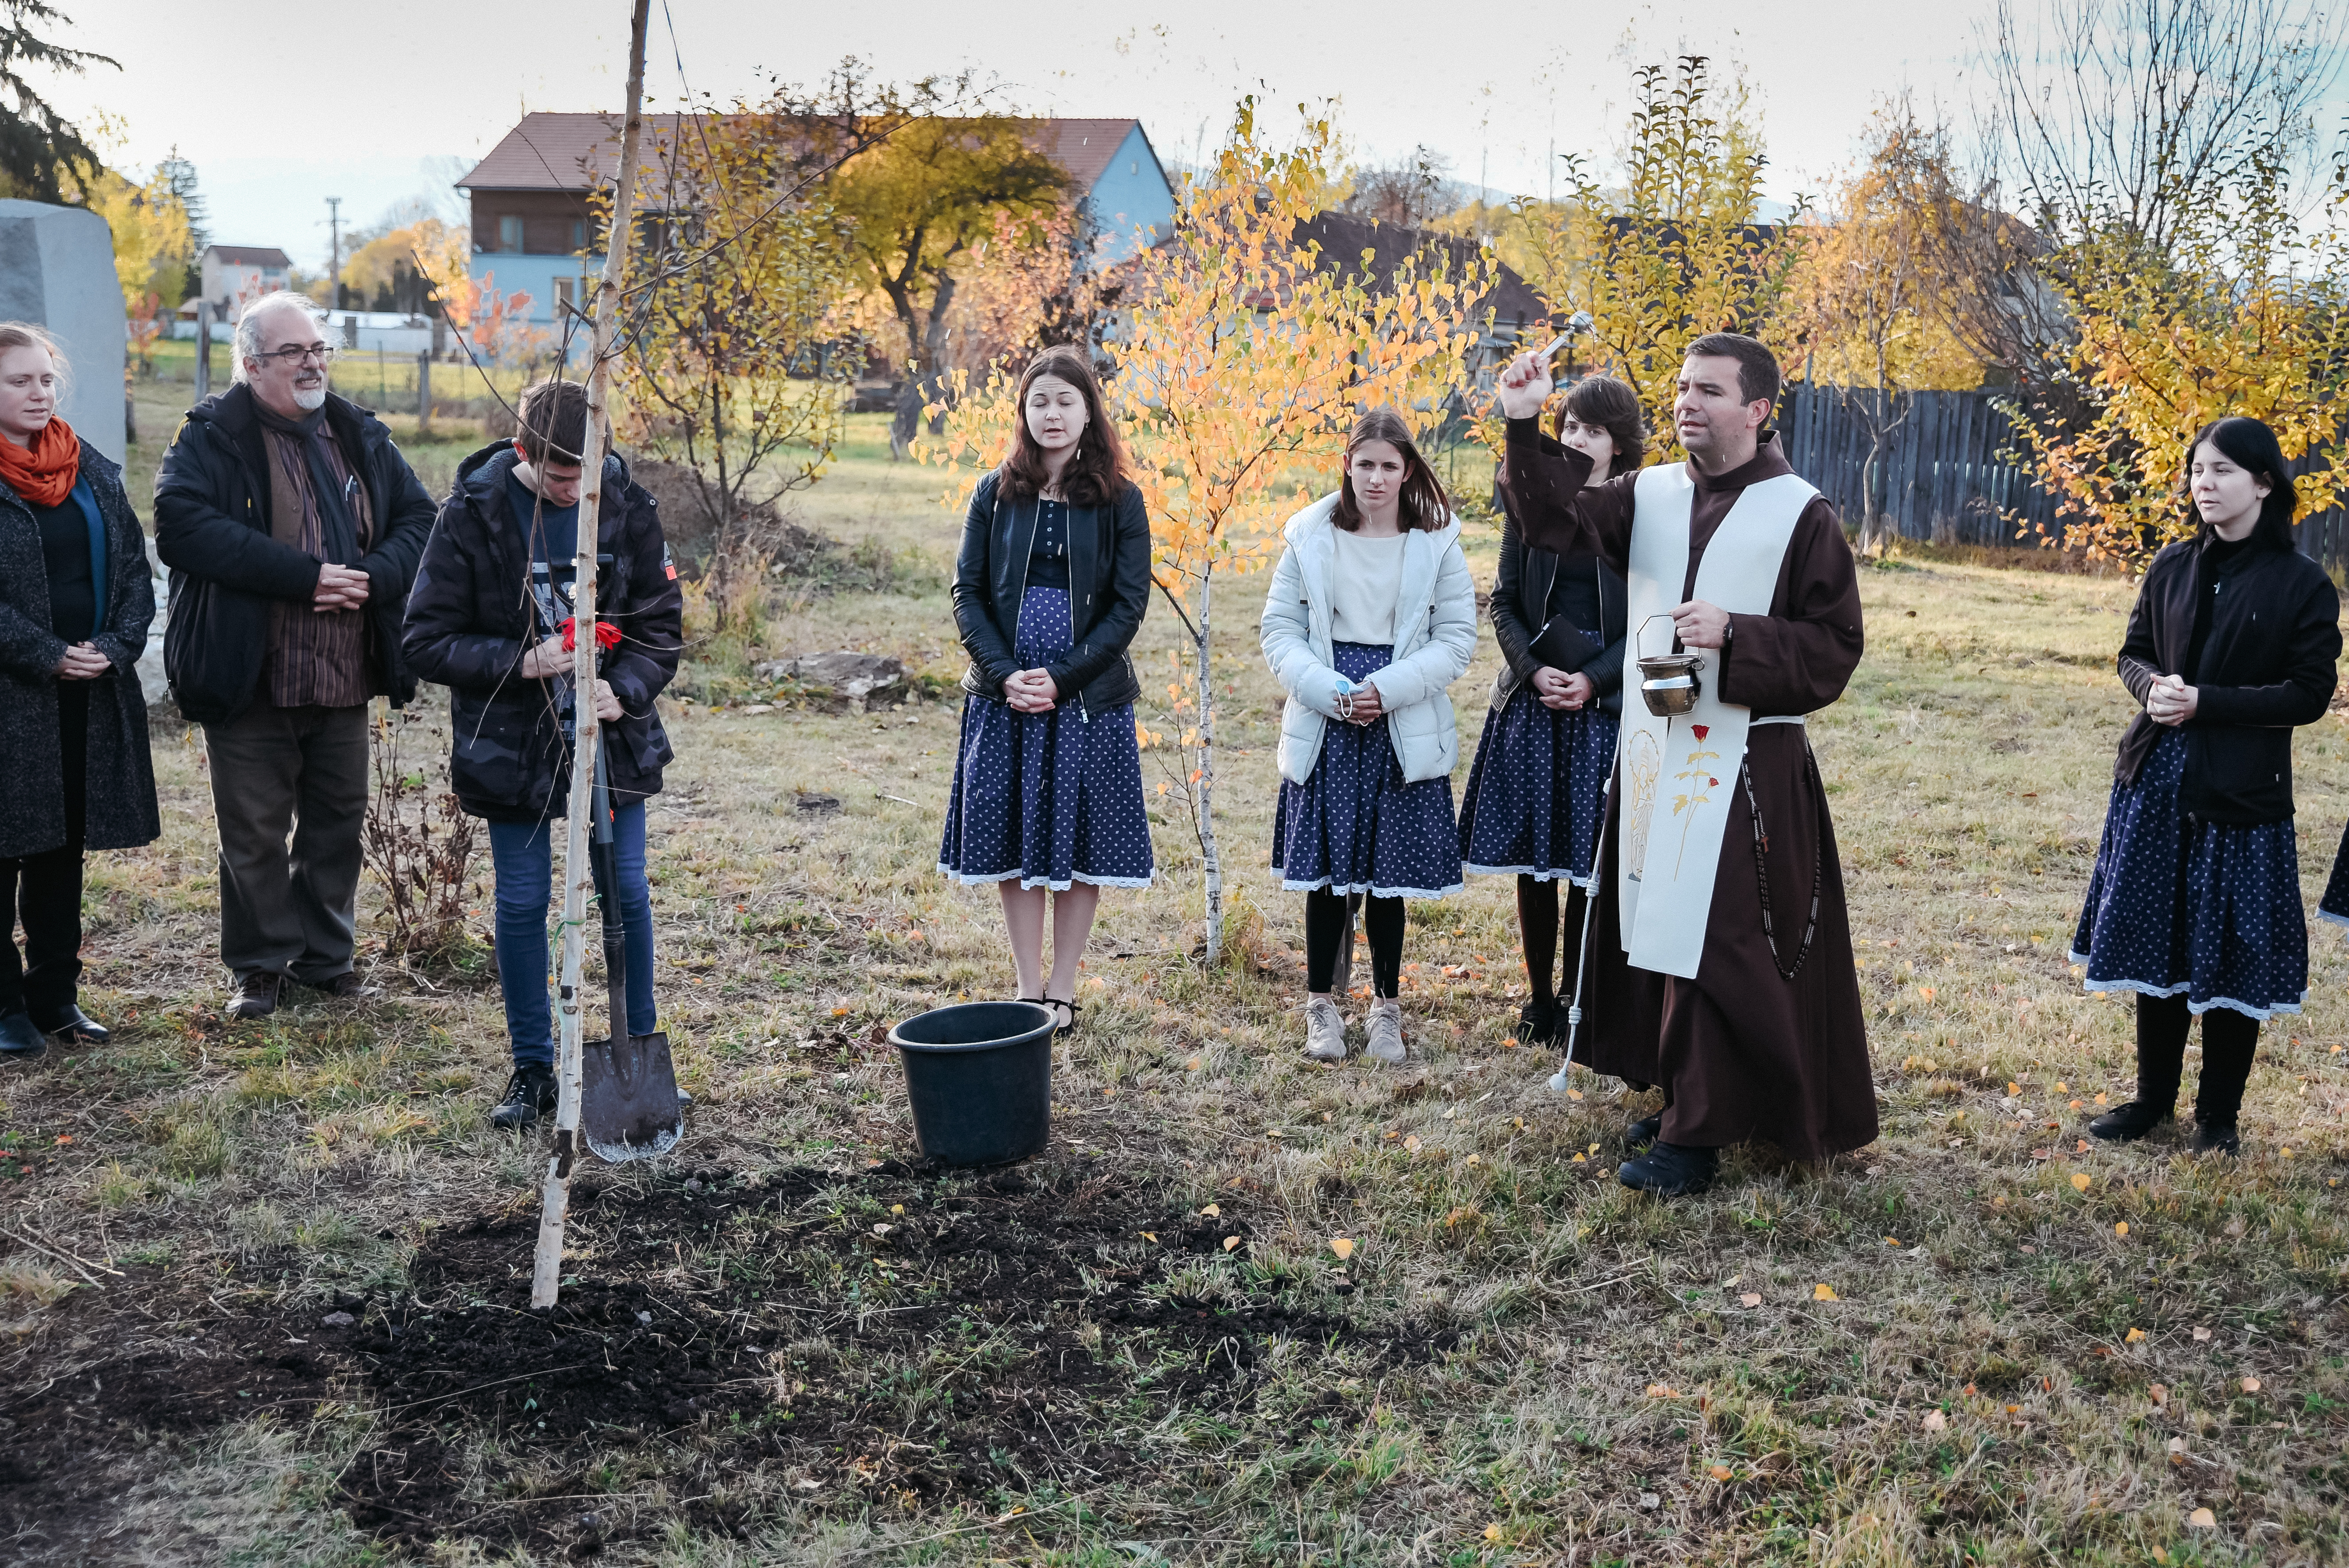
(379, 103)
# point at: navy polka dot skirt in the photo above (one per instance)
(1354, 826)
(1052, 799)
(2334, 905)
(2201, 910)
(1532, 805)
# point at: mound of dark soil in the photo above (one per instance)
(898, 1336)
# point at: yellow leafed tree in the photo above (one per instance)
(2248, 318)
(1245, 355)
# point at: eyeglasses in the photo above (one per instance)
(293, 353)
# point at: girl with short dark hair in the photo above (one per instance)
(1372, 614)
(1532, 803)
(1050, 585)
(2195, 900)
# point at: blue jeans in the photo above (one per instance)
(524, 854)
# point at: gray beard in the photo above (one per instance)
(307, 401)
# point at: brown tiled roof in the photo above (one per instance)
(550, 151)
(1343, 239)
(559, 152)
(249, 255)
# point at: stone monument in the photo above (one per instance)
(56, 270)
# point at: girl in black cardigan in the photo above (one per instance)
(1533, 796)
(1049, 588)
(2195, 901)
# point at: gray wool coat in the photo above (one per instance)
(120, 811)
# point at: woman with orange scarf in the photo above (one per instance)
(76, 600)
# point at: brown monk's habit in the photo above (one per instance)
(1742, 1052)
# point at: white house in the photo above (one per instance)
(234, 273)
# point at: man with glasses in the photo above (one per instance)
(292, 526)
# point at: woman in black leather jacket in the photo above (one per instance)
(2195, 900)
(1532, 805)
(1049, 588)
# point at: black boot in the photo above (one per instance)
(529, 1094)
(2128, 1123)
(79, 1027)
(1671, 1171)
(1537, 1021)
(19, 1035)
(1643, 1132)
(2229, 1039)
(2161, 1026)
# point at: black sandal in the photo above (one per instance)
(1073, 1011)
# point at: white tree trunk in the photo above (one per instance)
(1211, 863)
(555, 1208)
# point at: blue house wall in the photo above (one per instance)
(1132, 195)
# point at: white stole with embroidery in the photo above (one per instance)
(1678, 773)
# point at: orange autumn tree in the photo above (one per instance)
(1243, 355)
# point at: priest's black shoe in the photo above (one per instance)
(1538, 1022)
(74, 1023)
(2128, 1123)
(1643, 1132)
(529, 1094)
(2215, 1140)
(1671, 1171)
(19, 1036)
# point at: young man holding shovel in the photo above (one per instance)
(487, 619)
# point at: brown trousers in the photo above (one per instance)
(290, 911)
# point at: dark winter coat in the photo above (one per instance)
(472, 616)
(211, 529)
(121, 801)
(1529, 588)
(2269, 662)
(1109, 590)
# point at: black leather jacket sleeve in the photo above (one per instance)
(974, 610)
(1112, 632)
(1510, 628)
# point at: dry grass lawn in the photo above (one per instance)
(261, 1285)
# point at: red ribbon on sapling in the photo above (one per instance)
(607, 635)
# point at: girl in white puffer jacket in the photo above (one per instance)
(1370, 615)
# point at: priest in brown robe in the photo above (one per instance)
(1766, 1039)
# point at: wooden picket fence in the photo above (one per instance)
(1946, 478)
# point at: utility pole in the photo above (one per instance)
(546, 1265)
(334, 253)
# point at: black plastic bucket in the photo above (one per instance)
(979, 1076)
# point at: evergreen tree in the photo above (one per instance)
(37, 144)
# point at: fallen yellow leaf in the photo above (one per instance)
(896, 1208)
(1475, 1160)
(1149, 1235)
(1751, 1298)
(2120, 1227)
(2012, 1087)
(1719, 1473)
(2250, 1384)
(1213, 1211)
(1935, 1421)
(1492, 1532)
(1230, 1242)
(1574, 1094)
(1193, 1064)
(1343, 1246)
(2133, 1336)
(1660, 1391)
(1411, 1143)
(2081, 1180)
(2100, 1099)
(2201, 1519)
(1824, 1291)
(1579, 1160)
(2159, 1393)
(2201, 1334)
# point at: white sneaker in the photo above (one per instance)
(1325, 1030)
(1386, 1030)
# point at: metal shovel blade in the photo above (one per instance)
(627, 1099)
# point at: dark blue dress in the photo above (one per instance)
(1532, 805)
(2201, 909)
(1354, 826)
(2334, 905)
